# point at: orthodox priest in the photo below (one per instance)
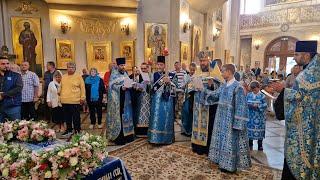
(161, 126)
(229, 146)
(203, 115)
(300, 107)
(142, 104)
(119, 110)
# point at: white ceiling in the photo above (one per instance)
(205, 5)
(112, 3)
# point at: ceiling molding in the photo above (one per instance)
(73, 7)
(108, 3)
(204, 6)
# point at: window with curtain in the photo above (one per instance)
(250, 6)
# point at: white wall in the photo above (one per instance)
(80, 38)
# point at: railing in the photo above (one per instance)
(295, 15)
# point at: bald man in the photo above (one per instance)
(30, 92)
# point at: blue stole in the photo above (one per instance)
(114, 118)
(161, 125)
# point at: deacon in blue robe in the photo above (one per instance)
(300, 106)
(257, 105)
(187, 108)
(203, 114)
(119, 110)
(229, 146)
(161, 126)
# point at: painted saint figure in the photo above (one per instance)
(156, 42)
(29, 42)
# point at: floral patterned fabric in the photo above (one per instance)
(178, 162)
(257, 116)
(302, 144)
(115, 120)
(229, 144)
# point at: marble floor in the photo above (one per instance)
(271, 156)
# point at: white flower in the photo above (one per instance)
(7, 157)
(5, 172)
(48, 174)
(60, 153)
(73, 161)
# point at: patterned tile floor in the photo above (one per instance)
(273, 144)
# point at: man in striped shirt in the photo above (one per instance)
(30, 92)
(181, 82)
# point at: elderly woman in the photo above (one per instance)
(53, 100)
(94, 94)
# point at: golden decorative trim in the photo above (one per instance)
(293, 15)
(297, 117)
(97, 27)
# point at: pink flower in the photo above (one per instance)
(35, 126)
(14, 166)
(7, 127)
(87, 154)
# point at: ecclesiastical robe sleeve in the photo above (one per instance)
(263, 105)
(210, 97)
(241, 110)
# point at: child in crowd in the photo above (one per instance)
(257, 115)
(53, 100)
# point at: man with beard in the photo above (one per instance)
(10, 92)
(161, 127)
(119, 111)
(203, 115)
(299, 106)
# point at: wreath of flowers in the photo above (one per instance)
(26, 131)
(74, 160)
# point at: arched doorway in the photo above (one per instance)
(279, 53)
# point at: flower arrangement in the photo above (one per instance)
(15, 161)
(26, 131)
(74, 160)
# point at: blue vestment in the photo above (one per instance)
(257, 116)
(302, 112)
(119, 124)
(161, 125)
(229, 146)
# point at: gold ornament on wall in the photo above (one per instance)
(94, 26)
(196, 42)
(26, 7)
(156, 40)
(64, 53)
(27, 42)
(99, 55)
(127, 50)
(185, 56)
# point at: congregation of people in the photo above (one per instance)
(222, 109)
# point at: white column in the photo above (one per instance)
(159, 11)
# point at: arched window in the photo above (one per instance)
(279, 53)
(250, 6)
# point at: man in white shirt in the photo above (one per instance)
(30, 92)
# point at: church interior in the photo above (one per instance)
(94, 33)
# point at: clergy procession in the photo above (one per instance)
(220, 113)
